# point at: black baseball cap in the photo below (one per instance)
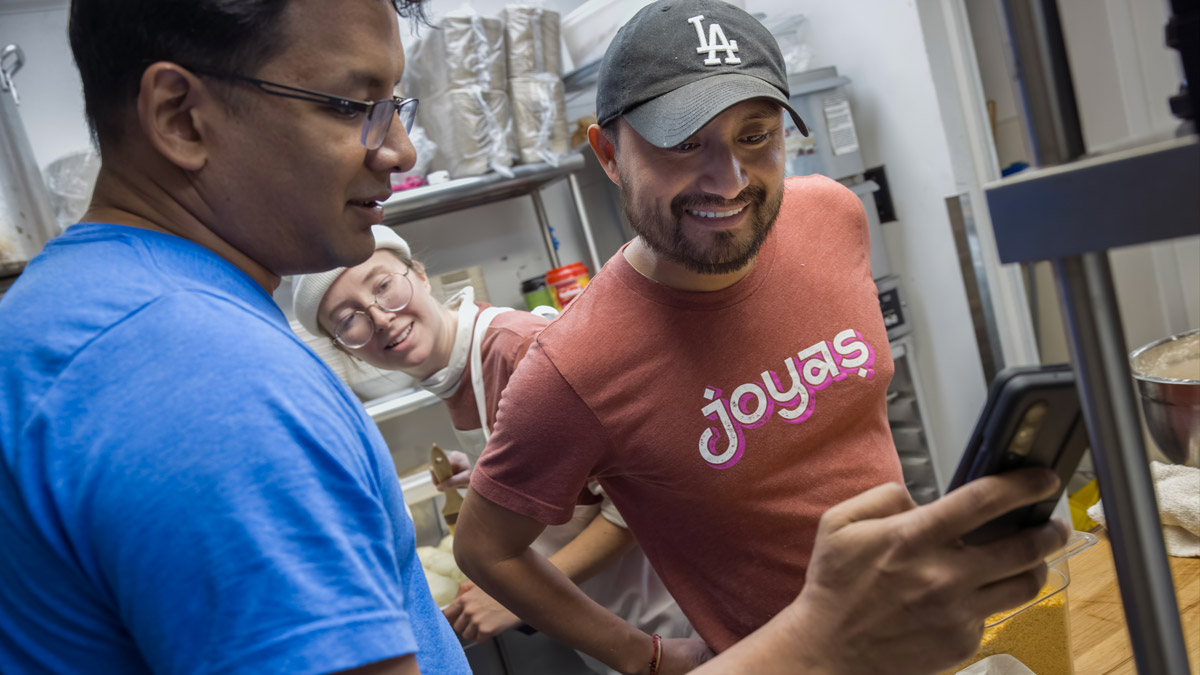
(678, 64)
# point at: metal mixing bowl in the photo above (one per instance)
(1171, 406)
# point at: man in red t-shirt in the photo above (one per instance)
(724, 378)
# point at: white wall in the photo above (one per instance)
(51, 94)
(880, 46)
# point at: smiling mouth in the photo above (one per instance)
(401, 337)
(366, 204)
(717, 214)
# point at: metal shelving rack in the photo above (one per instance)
(1072, 214)
(463, 193)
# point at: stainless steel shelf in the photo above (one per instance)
(463, 193)
(1133, 196)
(399, 403)
(581, 78)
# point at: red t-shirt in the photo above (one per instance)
(504, 345)
(633, 385)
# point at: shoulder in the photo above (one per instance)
(510, 334)
(817, 191)
(517, 324)
(190, 355)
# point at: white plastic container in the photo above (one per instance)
(1037, 633)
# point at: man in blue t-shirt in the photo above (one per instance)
(184, 486)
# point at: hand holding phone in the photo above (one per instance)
(1032, 418)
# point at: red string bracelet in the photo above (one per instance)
(656, 656)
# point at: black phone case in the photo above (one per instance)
(1059, 440)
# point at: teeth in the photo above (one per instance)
(401, 338)
(716, 214)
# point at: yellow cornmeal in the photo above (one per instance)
(1037, 636)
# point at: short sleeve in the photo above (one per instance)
(544, 447)
(223, 496)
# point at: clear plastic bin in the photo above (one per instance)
(1037, 633)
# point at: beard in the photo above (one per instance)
(703, 252)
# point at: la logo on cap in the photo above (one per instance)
(715, 42)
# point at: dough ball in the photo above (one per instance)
(443, 589)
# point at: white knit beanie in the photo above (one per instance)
(309, 289)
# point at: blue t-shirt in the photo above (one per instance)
(184, 486)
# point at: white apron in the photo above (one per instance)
(629, 587)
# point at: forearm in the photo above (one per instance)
(492, 548)
(546, 599)
(782, 646)
(595, 548)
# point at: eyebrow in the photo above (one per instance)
(362, 78)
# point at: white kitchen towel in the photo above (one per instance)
(1178, 491)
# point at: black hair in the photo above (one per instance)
(612, 130)
(114, 41)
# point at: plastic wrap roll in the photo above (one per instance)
(473, 130)
(539, 117)
(534, 42)
(462, 51)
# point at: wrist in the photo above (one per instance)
(803, 642)
(637, 656)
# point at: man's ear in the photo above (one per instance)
(605, 151)
(168, 106)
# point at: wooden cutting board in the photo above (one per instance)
(1099, 639)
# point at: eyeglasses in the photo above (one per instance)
(378, 113)
(393, 294)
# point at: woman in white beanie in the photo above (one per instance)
(384, 313)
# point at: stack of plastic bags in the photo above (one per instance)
(459, 70)
(535, 83)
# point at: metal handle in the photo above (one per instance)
(11, 60)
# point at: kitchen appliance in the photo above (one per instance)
(1168, 381)
(26, 218)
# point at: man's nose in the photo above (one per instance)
(396, 154)
(724, 174)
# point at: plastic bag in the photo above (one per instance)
(426, 148)
(540, 117)
(70, 180)
(534, 39)
(791, 32)
(462, 50)
(473, 129)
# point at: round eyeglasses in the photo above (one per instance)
(378, 114)
(392, 294)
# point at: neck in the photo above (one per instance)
(163, 205)
(447, 334)
(656, 268)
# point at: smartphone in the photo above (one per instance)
(1032, 417)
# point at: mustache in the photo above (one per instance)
(751, 194)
